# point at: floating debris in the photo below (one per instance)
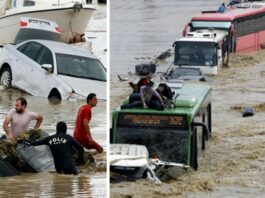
(122, 79)
(248, 112)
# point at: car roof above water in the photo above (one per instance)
(58, 47)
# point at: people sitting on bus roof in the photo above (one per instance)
(143, 81)
(221, 9)
(148, 98)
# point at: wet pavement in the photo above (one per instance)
(233, 163)
(91, 182)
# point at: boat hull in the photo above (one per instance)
(71, 21)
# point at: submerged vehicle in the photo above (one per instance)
(131, 161)
(243, 22)
(71, 17)
(174, 136)
(15, 159)
(52, 69)
(203, 49)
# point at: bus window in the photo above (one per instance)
(221, 25)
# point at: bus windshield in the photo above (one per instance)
(165, 136)
(195, 53)
(220, 25)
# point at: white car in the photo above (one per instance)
(52, 69)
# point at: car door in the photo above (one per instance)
(34, 76)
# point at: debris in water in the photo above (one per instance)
(248, 112)
(122, 79)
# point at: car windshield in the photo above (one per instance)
(80, 67)
(195, 53)
(178, 72)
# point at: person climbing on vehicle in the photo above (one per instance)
(61, 145)
(19, 119)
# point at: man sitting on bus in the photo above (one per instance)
(148, 98)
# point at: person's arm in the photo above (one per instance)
(87, 128)
(6, 128)
(38, 119)
(142, 96)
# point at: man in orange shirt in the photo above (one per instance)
(82, 130)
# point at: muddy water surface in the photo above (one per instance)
(233, 163)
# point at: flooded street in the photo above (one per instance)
(141, 30)
(91, 182)
(233, 163)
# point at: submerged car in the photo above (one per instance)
(52, 69)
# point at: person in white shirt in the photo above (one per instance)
(19, 119)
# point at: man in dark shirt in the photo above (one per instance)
(61, 145)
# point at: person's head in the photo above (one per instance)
(61, 127)
(161, 87)
(92, 100)
(21, 104)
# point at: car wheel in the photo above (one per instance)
(55, 95)
(6, 77)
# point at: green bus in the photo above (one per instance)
(175, 135)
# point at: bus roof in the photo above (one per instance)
(205, 35)
(232, 13)
(190, 98)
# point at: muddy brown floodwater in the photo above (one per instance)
(233, 163)
(91, 182)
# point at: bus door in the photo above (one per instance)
(201, 131)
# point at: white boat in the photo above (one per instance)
(71, 17)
